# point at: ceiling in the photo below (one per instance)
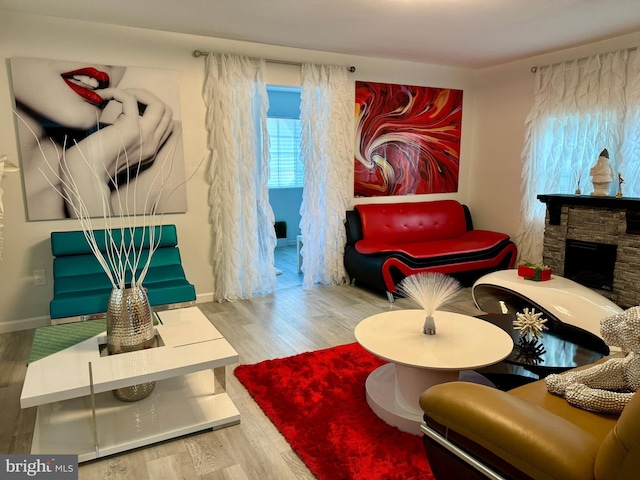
(462, 33)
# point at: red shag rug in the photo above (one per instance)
(318, 402)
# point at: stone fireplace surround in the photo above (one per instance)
(606, 220)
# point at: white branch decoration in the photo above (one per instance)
(430, 290)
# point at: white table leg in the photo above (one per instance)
(410, 382)
(220, 380)
(392, 403)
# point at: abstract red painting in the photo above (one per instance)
(407, 139)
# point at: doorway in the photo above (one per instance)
(286, 177)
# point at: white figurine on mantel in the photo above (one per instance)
(602, 174)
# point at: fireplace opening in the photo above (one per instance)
(590, 264)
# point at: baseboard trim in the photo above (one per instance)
(24, 324)
(204, 297)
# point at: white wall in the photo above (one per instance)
(26, 244)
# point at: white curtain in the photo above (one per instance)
(630, 165)
(326, 114)
(242, 220)
(580, 108)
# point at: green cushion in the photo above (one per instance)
(75, 243)
(73, 266)
(81, 286)
(88, 302)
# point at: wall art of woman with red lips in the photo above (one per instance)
(407, 139)
(86, 116)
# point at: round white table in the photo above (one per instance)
(418, 361)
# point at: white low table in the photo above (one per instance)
(567, 301)
(78, 414)
(419, 361)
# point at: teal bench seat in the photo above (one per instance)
(82, 288)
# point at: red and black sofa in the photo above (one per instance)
(388, 242)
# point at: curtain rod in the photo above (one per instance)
(199, 53)
(535, 69)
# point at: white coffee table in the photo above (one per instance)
(504, 291)
(78, 414)
(419, 361)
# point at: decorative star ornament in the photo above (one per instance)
(530, 324)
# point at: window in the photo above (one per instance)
(285, 167)
(572, 144)
(283, 125)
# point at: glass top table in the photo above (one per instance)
(560, 348)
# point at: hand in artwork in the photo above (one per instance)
(131, 143)
(93, 127)
(144, 125)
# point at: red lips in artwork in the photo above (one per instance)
(85, 81)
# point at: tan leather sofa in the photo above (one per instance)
(472, 431)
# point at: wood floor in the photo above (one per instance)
(290, 321)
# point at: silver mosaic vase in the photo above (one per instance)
(130, 328)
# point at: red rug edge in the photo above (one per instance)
(342, 449)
